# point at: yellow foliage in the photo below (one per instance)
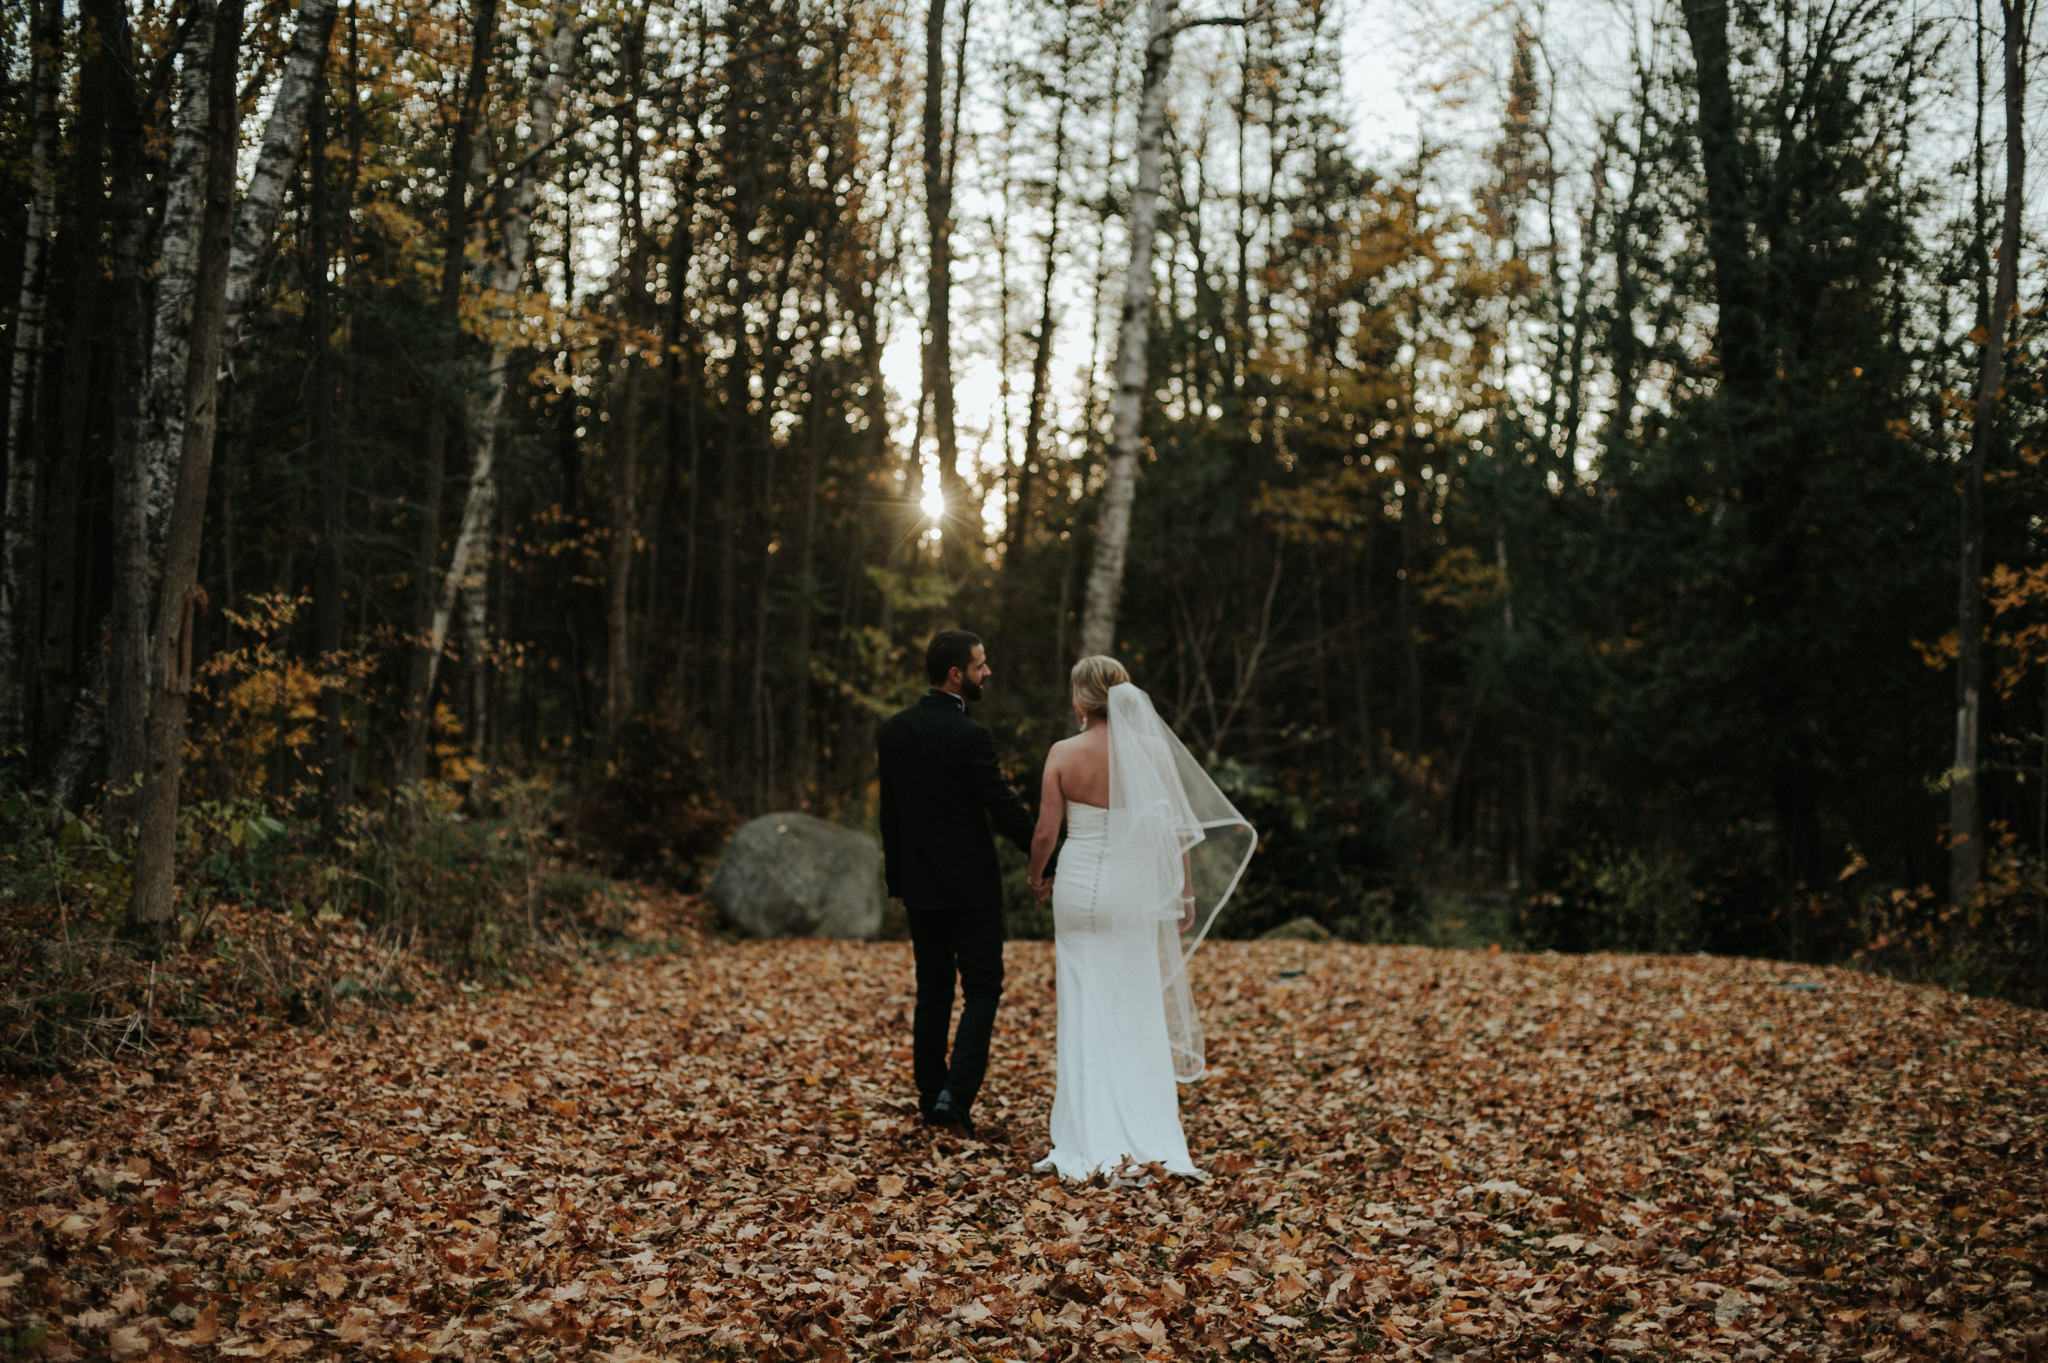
(2011, 590)
(272, 706)
(263, 703)
(1327, 509)
(392, 220)
(2023, 641)
(445, 742)
(1940, 653)
(1463, 581)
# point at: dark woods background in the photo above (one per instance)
(1552, 537)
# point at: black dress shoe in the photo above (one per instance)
(945, 1112)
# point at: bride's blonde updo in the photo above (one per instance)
(1091, 680)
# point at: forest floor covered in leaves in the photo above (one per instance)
(714, 1153)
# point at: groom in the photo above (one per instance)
(941, 788)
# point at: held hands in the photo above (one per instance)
(1041, 886)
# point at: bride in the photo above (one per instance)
(1153, 850)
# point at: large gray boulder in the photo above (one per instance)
(791, 875)
(1303, 929)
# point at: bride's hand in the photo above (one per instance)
(1187, 913)
(1040, 888)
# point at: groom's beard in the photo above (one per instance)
(969, 690)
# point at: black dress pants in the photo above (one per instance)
(948, 941)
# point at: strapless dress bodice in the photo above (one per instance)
(1087, 823)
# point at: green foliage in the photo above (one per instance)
(54, 862)
(1328, 850)
(71, 982)
(261, 903)
(654, 810)
(475, 893)
(1597, 894)
(241, 851)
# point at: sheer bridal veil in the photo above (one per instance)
(1184, 838)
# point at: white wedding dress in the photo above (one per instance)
(1127, 1024)
(1116, 1101)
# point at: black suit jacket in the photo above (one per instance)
(941, 789)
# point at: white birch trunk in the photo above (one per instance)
(501, 285)
(152, 895)
(163, 393)
(256, 219)
(18, 518)
(1127, 407)
(1966, 858)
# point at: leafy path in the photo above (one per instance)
(1415, 1153)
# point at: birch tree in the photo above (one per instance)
(144, 474)
(1966, 863)
(501, 279)
(941, 154)
(17, 522)
(146, 481)
(1041, 352)
(170, 670)
(1134, 322)
(632, 286)
(256, 219)
(462, 171)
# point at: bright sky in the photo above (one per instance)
(1394, 95)
(1414, 70)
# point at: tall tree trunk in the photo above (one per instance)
(1966, 863)
(502, 280)
(761, 714)
(441, 416)
(683, 367)
(1127, 408)
(19, 603)
(1738, 327)
(937, 394)
(146, 472)
(1622, 340)
(63, 571)
(327, 599)
(731, 517)
(110, 720)
(626, 423)
(1567, 444)
(171, 635)
(256, 219)
(625, 520)
(801, 765)
(1041, 352)
(349, 767)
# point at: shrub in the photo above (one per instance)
(474, 893)
(1328, 851)
(1995, 946)
(1595, 887)
(652, 811)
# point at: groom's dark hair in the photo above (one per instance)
(949, 648)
